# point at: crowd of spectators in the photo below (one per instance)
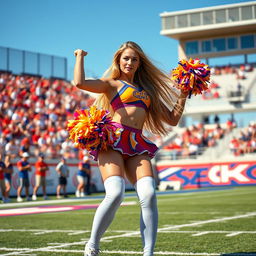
(240, 73)
(245, 143)
(193, 140)
(34, 113)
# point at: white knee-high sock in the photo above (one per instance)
(114, 188)
(145, 188)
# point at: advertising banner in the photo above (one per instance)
(208, 174)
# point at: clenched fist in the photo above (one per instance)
(80, 52)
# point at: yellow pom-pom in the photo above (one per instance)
(92, 129)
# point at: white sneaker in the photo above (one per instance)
(82, 194)
(77, 193)
(91, 251)
(19, 199)
(34, 197)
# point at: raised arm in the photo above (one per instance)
(96, 86)
(173, 117)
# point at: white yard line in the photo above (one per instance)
(198, 223)
(234, 233)
(78, 232)
(53, 248)
(201, 233)
(22, 251)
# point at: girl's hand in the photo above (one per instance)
(80, 52)
(183, 94)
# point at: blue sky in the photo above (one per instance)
(58, 27)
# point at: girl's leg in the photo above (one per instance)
(112, 171)
(114, 187)
(145, 188)
(139, 172)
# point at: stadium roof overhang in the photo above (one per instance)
(216, 30)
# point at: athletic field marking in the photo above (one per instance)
(234, 234)
(78, 232)
(85, 199)
(121, 252)
(198, 223)
(26, 250)
(20, 251)
(128, 196)
(185, 225)
(56, 201)
(200, 233)
(96, 198)
(52, 209)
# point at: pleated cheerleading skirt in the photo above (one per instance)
(130, 142)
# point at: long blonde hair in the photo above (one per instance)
(157, 85)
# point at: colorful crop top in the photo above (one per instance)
(130, 95)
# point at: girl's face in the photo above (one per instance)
(129, 62)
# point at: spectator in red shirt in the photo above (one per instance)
(234, 146)
(25, 145)
(41, 168)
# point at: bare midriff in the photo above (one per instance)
(130, 116)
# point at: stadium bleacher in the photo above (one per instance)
(245, 142)
(203, 139)
(34, 112)
(231, 82)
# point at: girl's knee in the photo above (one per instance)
(115, 197)
(145, 188)
(115, 188)
(148, 198)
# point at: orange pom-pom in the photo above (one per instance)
(92, 129)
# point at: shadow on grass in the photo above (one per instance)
(239, 254)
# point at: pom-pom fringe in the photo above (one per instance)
(191, 76)
(92, 129)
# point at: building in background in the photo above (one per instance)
(211, 32)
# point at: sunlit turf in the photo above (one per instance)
(186, 209)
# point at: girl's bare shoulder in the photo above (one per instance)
(114, 83)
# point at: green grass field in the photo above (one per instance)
(213, 222)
